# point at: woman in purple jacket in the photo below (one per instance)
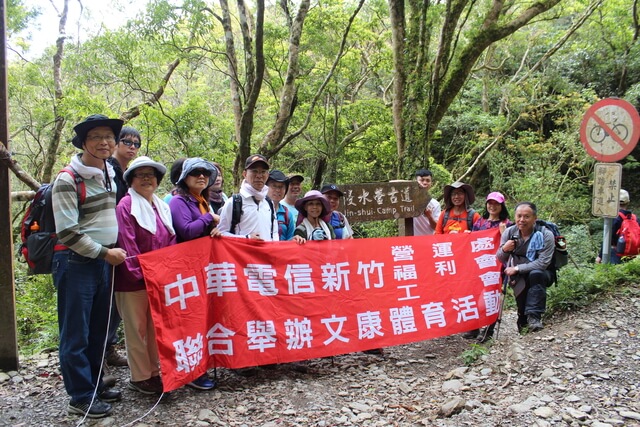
(144, 224)
(193, 217)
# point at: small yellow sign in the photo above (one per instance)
(606, 189)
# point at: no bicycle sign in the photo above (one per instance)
(610, 129)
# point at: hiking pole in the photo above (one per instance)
(505, 283)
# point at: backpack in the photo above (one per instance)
(560, 253)
(38, 228)
(470, 214)
(628, 236)
(236, 212)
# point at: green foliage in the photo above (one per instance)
(36, 312)
(579, 287)
(475, 352)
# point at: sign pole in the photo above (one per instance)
(606, 240)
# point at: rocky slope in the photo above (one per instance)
(582, 369)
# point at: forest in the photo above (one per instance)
(489, 92)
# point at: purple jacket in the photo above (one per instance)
(136, 240)
(188, 222)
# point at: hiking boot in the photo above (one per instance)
(535, 324)
(471, 335)
(98, 409)
(148, 386)
(485, 334)
(109, 381)
(374, 351)
(299, 367)
(202, 383)
(110, 395)
(114, 358)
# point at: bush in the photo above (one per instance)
(36, 312)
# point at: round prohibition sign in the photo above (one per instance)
(610, 129)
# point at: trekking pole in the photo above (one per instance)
(505, 283)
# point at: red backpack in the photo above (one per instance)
(628, 236)
(38, 228)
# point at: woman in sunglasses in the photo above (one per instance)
(192, 215)
(193, 218)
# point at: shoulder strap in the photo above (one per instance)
(273, 215)
(236, 212)
(445, 218)
(286, 215)
(470, 215)
(81, 188)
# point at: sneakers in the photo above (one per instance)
(113, 358)
(534, 322)
(110, 395)
(152, 385)
(98, 409)
(202, 383)
(471, 335)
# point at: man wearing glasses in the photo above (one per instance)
(257, 220)
(126, 150)
(81, 272)
(127, 147)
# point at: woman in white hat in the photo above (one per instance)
(144, 224)
(312, 208)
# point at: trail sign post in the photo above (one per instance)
(609, 132)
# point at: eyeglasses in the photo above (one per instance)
(259, 172)
(99, 138)
(129, 143)
(197, 172)
(148, 175)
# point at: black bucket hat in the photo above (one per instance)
(94, 121)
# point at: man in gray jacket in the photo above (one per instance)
(527, 250)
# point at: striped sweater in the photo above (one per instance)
(90, 233)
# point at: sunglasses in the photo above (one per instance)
(129, 143)
(197, 172)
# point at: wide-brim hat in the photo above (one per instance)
(313, 195)
(193, 163)
(143, 161)
(94, 121)
(331, 187)
(471, 195)
(256, 158)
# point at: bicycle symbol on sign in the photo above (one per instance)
(599, 134)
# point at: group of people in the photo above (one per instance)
(526, 249)
(122, 217)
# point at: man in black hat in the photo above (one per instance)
(293, 194)
(255, 216)
(82, 271)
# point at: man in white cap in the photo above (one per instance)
(82, 271)
(615, 257)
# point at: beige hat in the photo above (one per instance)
(624, 197)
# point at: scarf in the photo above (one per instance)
(144, 214)
(203, 205)
(216, 197)
(309, 228)
(90, 172)
(249, 191)
(535, 244)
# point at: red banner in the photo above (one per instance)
(237, 302)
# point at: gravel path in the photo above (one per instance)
(582, 369)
